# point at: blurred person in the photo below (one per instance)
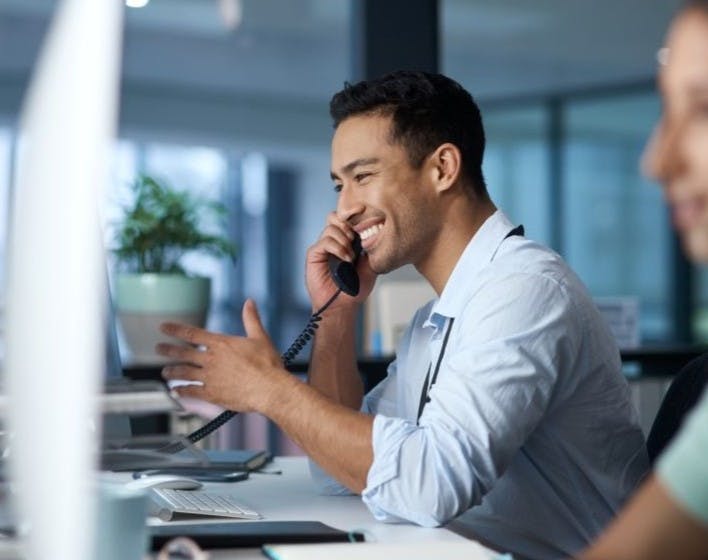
(668, 518)
(505, 407)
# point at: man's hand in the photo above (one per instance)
(245, 374)
(238, 373)
(336, 239)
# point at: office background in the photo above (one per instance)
(566, 90)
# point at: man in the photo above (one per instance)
(506, 399)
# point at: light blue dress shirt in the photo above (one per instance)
(529, 438)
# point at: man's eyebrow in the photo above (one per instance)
(348, 168)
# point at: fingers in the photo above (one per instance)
(188, 333)
(252, 321)
(180, 353)
(334, 220)
(335, 241)
(190, 391)
(184, 372)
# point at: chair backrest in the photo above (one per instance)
(685, 391)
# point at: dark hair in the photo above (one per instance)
(700, 4)
(427, 110)
(695, 6)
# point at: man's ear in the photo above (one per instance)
(445, 166)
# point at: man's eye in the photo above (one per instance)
(359, 177)
(337, 187)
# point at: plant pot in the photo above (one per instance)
(144, 301)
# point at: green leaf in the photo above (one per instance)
(162, 225)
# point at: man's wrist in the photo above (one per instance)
(340, 315)
(279, 386)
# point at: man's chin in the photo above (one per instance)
(382, 266)
(382, 269)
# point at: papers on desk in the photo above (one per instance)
(455, 550)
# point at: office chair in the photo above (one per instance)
(685, 391)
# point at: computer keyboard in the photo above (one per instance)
(167, 503)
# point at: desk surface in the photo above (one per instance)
(292, 496)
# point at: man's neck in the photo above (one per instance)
(462, 222)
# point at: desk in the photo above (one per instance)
(293, 496)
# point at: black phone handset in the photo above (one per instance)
(344, 273)
(347, 280)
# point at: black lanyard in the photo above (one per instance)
(425, 393)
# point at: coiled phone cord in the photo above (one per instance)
(287, 357)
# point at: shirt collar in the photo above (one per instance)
(479, 251)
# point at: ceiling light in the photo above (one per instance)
(136, 3)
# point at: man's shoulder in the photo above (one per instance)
(533, 277)
(527, 259)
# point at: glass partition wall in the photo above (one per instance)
(615, 230)
(567, 167)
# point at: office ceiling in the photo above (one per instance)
(299, 48)
(515, 47)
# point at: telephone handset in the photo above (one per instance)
(347, 280)
(344, 273)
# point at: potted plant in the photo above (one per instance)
(158, 228)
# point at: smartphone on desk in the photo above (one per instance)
(203, 474)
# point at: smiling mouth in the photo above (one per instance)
(369, 233)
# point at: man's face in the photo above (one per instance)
(388, 202)
(677, 154)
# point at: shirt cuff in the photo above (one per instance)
(387, 440)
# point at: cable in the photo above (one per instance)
(287, 357)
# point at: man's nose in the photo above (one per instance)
(348, 205)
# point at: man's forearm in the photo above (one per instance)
(333, 370)
(337, 438)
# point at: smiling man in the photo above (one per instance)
(505, 406)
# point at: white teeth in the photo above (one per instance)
(368, 232)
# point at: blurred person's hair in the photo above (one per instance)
(696, 4)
